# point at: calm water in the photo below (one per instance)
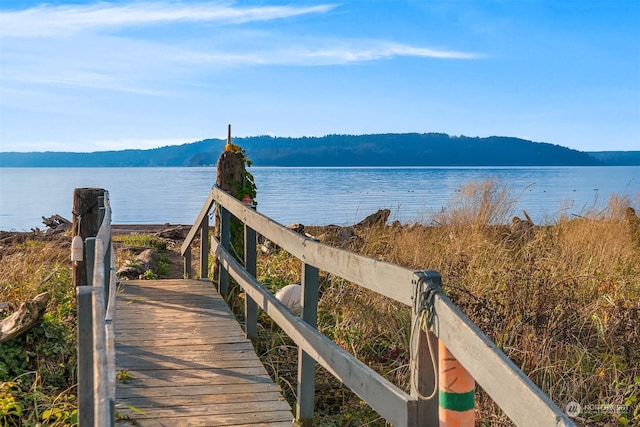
(307, 195)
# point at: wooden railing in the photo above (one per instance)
(95, 308)
(520, 399)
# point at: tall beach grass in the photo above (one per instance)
(561, 300)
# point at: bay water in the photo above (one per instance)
(312, 196)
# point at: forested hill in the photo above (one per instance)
(431, 149)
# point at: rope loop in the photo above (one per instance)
(79, 222)
(426, 287)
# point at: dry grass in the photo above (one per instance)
(562, 301)
(37, 369)
(33, 266)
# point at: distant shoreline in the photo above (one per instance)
(333, 167)
(380, 150)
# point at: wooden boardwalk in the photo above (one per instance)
(188, 360)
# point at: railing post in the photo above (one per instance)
(84, 294)
(225, 241)
(250, 264)
(306, 364)
(424, 354)
(187, 263)
(204, 248)
(102, 210)
(85, 356)
(90, 251)
(111, 351)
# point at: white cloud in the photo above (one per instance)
(322, 52)
(372, 50)
(83, 47)
(57, 21)
(404, 50)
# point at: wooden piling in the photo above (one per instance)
(85, 224)
(231, 170)
(229, 177)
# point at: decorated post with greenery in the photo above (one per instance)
(233, 177)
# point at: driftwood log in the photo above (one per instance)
(55, 221)
(377, 218)
(25, 318)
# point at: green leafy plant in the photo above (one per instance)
(163, 268)
(248, 185)
(58, 416)
(631, 395)
(123, 376)
(150, 275)
(245, 187)
(10, 407)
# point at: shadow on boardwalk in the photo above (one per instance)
(186, 361)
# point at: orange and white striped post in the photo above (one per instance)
(456, 391)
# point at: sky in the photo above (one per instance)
(92, 76)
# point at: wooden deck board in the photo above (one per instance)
(188, 360)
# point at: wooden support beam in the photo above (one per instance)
(204, 247)
(250, 263)
(225, 240)
(306, 364)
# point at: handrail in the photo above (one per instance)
(96, 311)
(379, 393)
(521, 400)
(202, 225)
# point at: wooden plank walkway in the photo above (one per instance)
(189, 362)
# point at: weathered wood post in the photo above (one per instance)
(306, 364)
(225, 241)
(229, 177)
(424, 355)
(444, 388)
(204, 248)
(86, 223)
(251, 264)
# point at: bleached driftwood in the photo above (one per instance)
(24, 318)
(56, 223)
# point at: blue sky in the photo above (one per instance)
(92, 76)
